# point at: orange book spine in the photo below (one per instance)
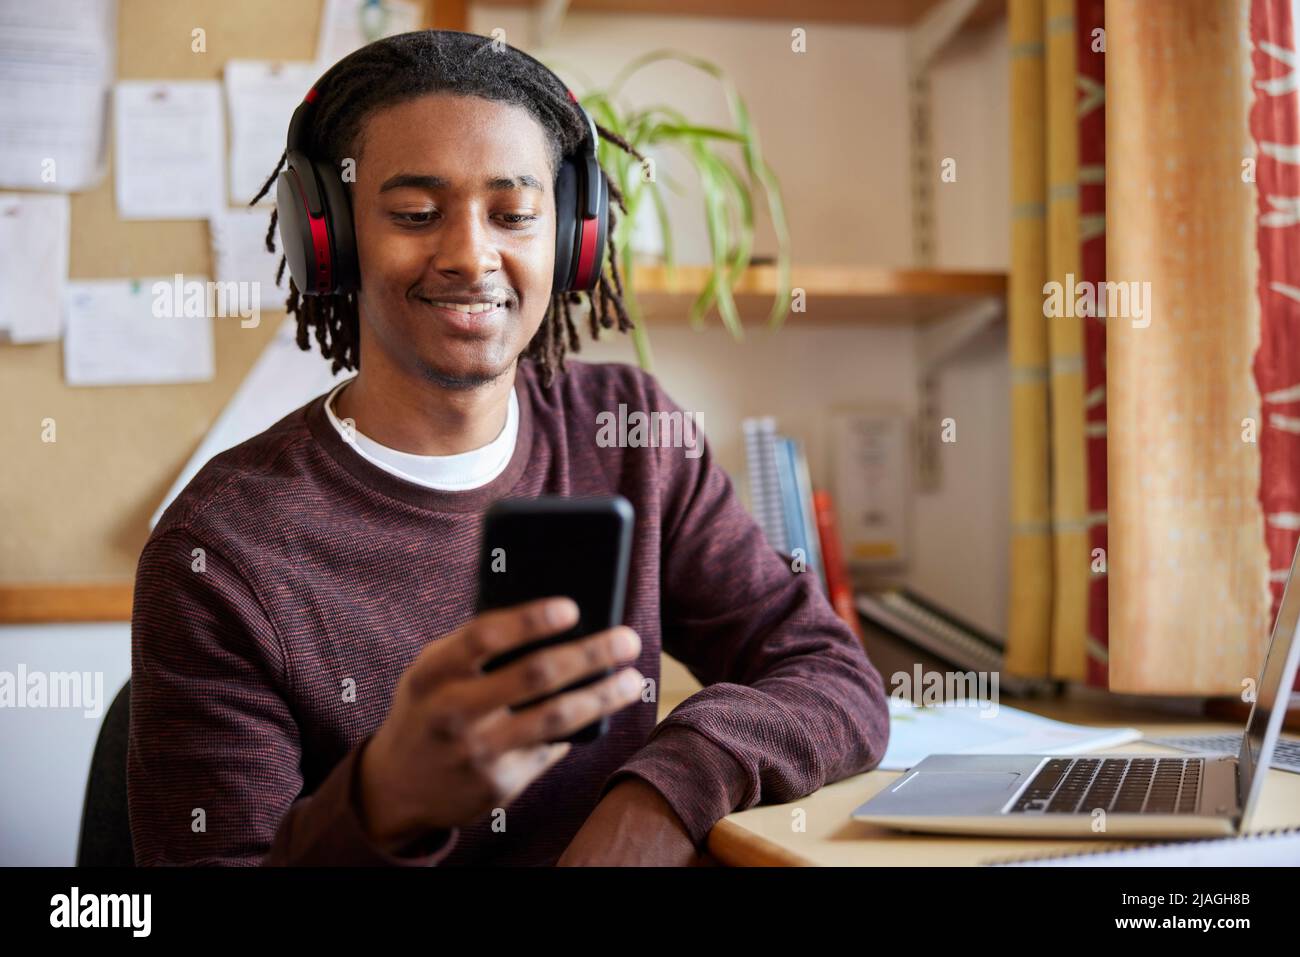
(837, 575)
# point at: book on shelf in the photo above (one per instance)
(783, 502)
(796, 505)
(839, 587)
(764, 492)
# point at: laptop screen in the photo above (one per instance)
(1272, 695)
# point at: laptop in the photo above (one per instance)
(1134, 795)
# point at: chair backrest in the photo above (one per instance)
(105, 839)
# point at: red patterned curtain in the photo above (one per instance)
(1090, 23)
(1275, 130)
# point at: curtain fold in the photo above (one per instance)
(1188, 567)
(1029, 606)
(1065, 351)
(1057, 612)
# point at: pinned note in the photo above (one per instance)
(56, 67)
(260, 98)
(33, 265)
(239, 250)
(137, 332)
(170, 147)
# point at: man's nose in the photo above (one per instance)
(466, 248)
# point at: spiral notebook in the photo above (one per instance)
(1276, 848)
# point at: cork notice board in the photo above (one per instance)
(76, 511)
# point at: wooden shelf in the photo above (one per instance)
(835, 295)
(875, 13)
(42, 602)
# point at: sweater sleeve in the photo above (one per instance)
(214, 755)
(791, 702)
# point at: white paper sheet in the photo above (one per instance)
(56, 65)
(260, 99)
(239, 251)
(349, 24)
(283, 378)
(33, 265)
(916, 733)
(113, 336)
(170, 149)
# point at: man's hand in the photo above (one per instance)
(632, 825)
(453, 748)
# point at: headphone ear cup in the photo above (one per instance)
(294, 218)
(343, 238)
(589, 234)
(566, 209)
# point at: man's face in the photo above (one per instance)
(453, 201)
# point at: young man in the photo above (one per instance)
(306, 683)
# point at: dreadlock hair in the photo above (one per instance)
(409, 65)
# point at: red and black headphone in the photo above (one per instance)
(315, 213)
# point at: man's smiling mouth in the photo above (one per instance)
(468, 315)
(468, 308)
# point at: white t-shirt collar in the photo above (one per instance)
(463, 470)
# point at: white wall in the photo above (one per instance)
(45, 752)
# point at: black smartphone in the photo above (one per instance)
(551, 545)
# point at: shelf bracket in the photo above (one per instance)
(924, 41)
(936, 343)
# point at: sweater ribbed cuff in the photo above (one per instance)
(701, 782)
(327, 829)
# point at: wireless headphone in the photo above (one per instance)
(315, 213)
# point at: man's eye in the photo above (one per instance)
(414, 219)
(519, 218)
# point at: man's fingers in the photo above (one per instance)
(552, 669)
(495, 632)
(489, 634)
(563, 714)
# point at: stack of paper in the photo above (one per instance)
(916, 733)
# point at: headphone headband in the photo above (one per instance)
(296, 138)
(315, 210)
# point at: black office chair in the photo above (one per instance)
(105, 839)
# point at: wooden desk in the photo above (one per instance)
(764, 835)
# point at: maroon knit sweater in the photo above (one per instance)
(261, 665)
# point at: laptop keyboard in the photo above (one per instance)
(1117, 785)
(1286, 752)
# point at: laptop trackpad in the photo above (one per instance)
(948, 790)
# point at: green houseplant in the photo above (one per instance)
(729, 191)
